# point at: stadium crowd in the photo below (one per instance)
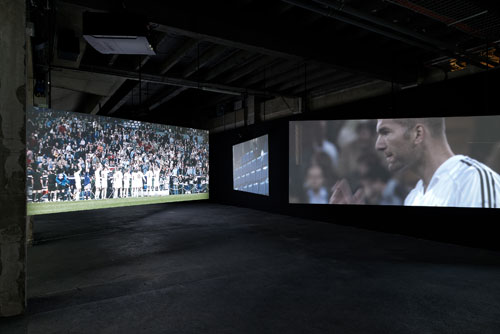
(74, 157)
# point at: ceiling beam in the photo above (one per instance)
(95, 107)
(80, 81)
(232, 43)
(177, 55)
(113, 59)
(122, 101)
(294, 73)
(121, 94)
(142, 63)
(269, 72)
(238, 59)
(245, 70)
(204, 59)
(304, 79)
(168, 97)
(333, 79)
(169, 80)
(332, 87)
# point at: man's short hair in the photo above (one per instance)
(436, 125)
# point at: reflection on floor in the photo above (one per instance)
(198, 267)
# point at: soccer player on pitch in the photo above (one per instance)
(126, 183)
(97, 181)
(140, 182)
(87, 184)
(134, 183)
(446, 179)
(156, 179)
(117, 183)
(78, 183)
(149, 181)
(104, 181)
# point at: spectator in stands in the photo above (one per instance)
(316, 191)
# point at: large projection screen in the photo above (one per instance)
(80, 162)
(431, 162)
(251, 166)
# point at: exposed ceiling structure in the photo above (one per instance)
(211, 57)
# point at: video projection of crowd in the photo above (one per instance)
(77, 157)
(251, 166)
(325, 155)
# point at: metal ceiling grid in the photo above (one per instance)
(463, 15)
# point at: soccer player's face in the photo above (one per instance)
(393, 141)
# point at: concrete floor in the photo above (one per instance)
(198, 267)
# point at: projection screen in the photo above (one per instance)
(80, 162)
(443, 162)
(251, 166)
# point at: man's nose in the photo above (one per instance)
(379, 144)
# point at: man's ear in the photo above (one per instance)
(419, 134)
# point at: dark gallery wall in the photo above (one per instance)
(474, 95)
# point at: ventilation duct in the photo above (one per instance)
(117, 33)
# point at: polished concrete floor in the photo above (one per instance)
(198, 267)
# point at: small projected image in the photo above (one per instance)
(251, 166)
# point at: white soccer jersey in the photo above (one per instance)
(156, 178)
(97, 176)
(78, 180)
(459, 182)
(134, 180)
(149, 178)
(126, 180)
(117, 179)
(104, 179)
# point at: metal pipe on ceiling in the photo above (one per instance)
(342, 8)
(420, 42)
(329, 13)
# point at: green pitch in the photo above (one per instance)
(53, 207)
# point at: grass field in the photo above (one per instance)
(53, 207)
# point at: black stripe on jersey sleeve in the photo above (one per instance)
(481, 177)
(494, 190)
(487, 179)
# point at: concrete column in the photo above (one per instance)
(29, 230)
(12, 158)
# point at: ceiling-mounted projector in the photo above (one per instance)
(117, 33)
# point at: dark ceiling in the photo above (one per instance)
(210, 54)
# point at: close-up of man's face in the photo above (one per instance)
(393, 140)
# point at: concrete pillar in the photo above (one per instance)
(29, 230)
(12, 158)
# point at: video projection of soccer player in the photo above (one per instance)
(445, 178)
